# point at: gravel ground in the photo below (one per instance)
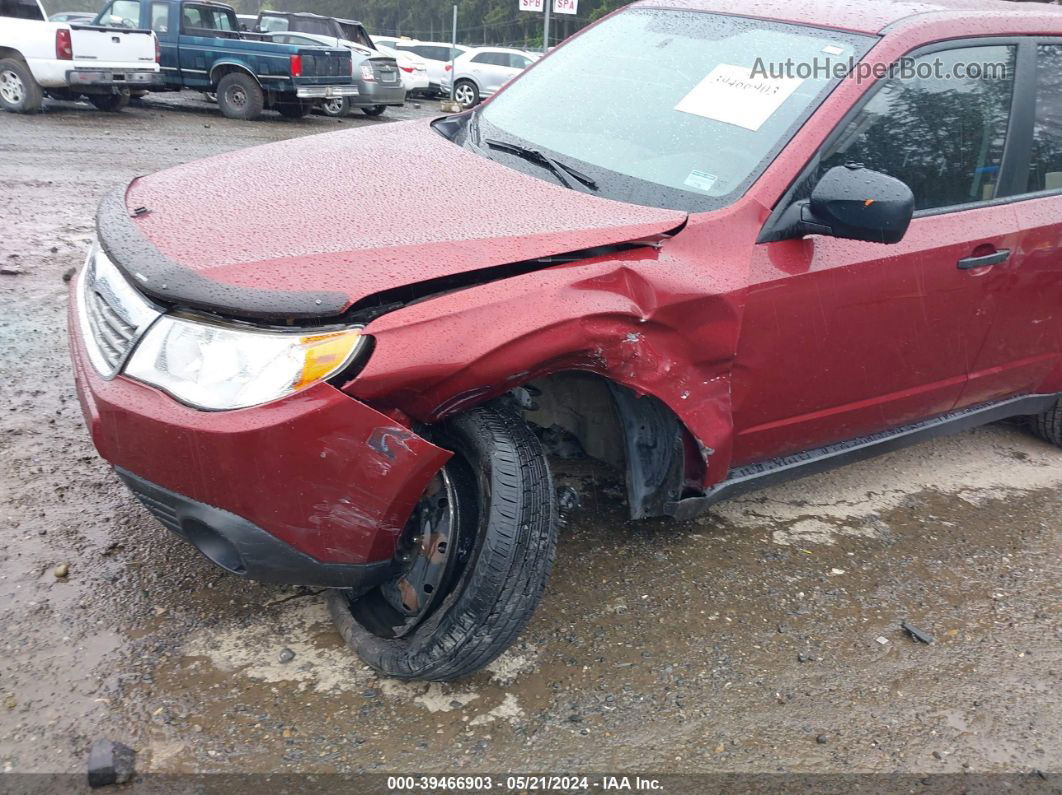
(765, 637)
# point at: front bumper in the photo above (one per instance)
(312, 489)
(325, 92)
(130, 78)
(242, 548)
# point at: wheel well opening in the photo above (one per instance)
(219, 71)
(637, 435)
(11, 52)
(581, 405)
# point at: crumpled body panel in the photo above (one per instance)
(660, 320)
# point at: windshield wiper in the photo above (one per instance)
(558, 168)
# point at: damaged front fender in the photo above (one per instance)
(652, 319)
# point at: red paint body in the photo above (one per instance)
(759, 349)
(301, 467)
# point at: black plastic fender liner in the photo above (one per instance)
(170, 283)
(654, 450)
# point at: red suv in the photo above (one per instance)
(748, 242)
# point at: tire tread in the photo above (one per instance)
(508, 575)
(1048, 425)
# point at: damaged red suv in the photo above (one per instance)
(752, 240)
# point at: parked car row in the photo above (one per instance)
(477, 71)
(289, 62)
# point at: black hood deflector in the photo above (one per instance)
(162, 279)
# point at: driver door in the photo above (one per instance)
(841, 338)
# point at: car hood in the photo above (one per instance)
(309, 226)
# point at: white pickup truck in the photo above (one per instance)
(69, 60)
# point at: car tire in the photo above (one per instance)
(466, 93)
(374, 110)
(19, 91)
(501, 535)
(294, 110)
(337, 107)
(1048, 425)
(240, 97)
(112, 103)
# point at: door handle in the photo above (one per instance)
(985, 261)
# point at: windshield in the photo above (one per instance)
(663, 108)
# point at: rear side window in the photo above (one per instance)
(940, 129)
(492, 58)
(122, 13)
(270, 24)
(518, 61)
(207, 18)
(160, 17)
(1045, 169)
(432, 53)
(356, 34)
(21, 9)
(321, 27)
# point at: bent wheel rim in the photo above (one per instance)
(425, 556)
(11, 88)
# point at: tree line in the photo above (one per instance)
(497, 22)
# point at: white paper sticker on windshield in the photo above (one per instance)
(701, 180)
(832, 49)
(732, 94)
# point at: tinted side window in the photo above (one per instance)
(940, 128)
(160, 17)
(122, 13)
(518, 61)
(206, 18)
(20, 9)
(269, 24)
(483, 57)
(424, 51)
(355, 33)
(1045, 171)
(319, 26)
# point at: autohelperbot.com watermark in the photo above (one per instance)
(925, 68)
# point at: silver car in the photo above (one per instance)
(377, 76)
(436, 55)
(480, 72)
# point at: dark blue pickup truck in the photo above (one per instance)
(202, 48)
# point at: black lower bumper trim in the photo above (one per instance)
(242, 548)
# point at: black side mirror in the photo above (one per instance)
(850, 202)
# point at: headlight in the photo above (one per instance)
(223, 367)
